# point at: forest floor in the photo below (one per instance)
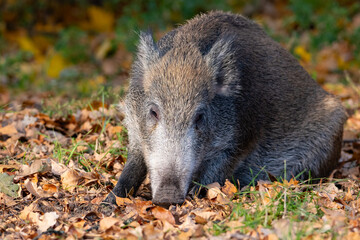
(56, 170)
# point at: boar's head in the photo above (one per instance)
(174, 116)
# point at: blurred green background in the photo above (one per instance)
(78, 48)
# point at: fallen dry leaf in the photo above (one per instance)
(213, 190)
(6, 200)
(31, 188)
(229, 189)
(4, 167)
(58, 168)
(39, 165)
(283, 229)
(150, 232)
(79, 223)
(47, 220)
(122, 201)
(50, 188)
(108, 222)
(9, 130)
(24, 214)
(202, 217)
(70, 180)
(162, 214)
(75, 233)
(112, 131)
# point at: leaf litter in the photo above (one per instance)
(56, 169)
(55, 173)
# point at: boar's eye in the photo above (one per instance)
(154, 113)
(199, 120)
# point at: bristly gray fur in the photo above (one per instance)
(217, 98)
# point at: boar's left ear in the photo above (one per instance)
(221, 61)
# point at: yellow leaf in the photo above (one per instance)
(27, 44)
(343, 65)
(101, 20)
(302, 53)
(103, 49)
(42, 43)
(48, 27)
(56, 64)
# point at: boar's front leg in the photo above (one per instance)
(132, 176)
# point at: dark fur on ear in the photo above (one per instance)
(147, 53)
(221, 60)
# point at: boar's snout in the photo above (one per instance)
(169, 192)
(167, 196)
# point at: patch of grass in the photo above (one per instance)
(74, 45)
(66, 153)
(56, 107)
(219, 228)
(77, 149)
(60, 152)
(122, 139)
(264, 205)
(12, 71)
(355, 40)
(325, 21)
(3, 108)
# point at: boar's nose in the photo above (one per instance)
(166, 201)
(168, 195)
(169, 192)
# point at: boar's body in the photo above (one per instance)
(217, 98)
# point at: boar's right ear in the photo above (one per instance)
(147, 53)
(221, 61)
(147, 50)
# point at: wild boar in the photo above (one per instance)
(218, 99)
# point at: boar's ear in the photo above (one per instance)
(147, 50)
(221, 61)
(147, 53)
